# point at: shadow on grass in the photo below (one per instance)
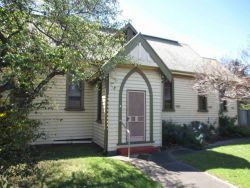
(102, 173)
(208, 159)
(66, 151)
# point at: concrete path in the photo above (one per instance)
(165, 169)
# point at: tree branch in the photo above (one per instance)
(3, 38)
(7, 86)
(46, 34)
(46, 80)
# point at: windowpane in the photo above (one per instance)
(167, 96)
(202, 100)
(74, 90)
(75, 102)
(224, 106)
(74, 94)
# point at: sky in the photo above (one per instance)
(213, 28)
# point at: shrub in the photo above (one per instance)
(17, 131)
(205, 131)
(194, 135)
(170, 133)
(244, 131)
(227, 126)
(16, 160)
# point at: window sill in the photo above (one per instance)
(168, 110)
(74, 109)
(202, 110)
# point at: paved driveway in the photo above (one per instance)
(164, 168)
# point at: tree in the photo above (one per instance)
(231, 79)
(42, 39)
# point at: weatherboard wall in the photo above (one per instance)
(61, 126)
(134, 82)
(98, 127)
(186, 105)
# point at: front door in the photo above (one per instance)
(136, 115)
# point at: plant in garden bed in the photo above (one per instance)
(229, 129)
(194, 135)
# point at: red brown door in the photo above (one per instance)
(136, 115)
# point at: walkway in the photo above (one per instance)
(165, 169)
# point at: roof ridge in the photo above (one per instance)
(160, 38)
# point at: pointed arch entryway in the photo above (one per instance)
(140, 72)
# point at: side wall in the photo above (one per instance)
(134, 82)
(186, 105)
(59, 125)
(98, 127)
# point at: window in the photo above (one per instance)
(224, 106)
(99, 104)
(74, 94)
(168, 103)
(202, 103)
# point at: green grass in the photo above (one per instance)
(83, 166)
(230, 162)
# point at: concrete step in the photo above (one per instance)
(137, 150)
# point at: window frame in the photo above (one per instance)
(199, 105)
(82, 97)
(223, 106)
(172, 108)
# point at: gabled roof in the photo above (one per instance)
(129, 25)
(140, 39)
(176, 56)
(171, 56)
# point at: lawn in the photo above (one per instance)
(82, 166)
(230, 162)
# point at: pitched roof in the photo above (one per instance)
(171, 56)
(175, 55)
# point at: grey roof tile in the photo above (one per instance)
(177, 56)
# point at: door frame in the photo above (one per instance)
(145, 112)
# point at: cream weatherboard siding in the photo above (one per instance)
(186, 105)
(134, 82)
(59, 124)
(232, 108)
(141, 56)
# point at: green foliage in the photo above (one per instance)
(17, 131)
(42, 39)
(194, 135)
(78, 166)
(228, 128)
(244, 131)
(38, 41)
